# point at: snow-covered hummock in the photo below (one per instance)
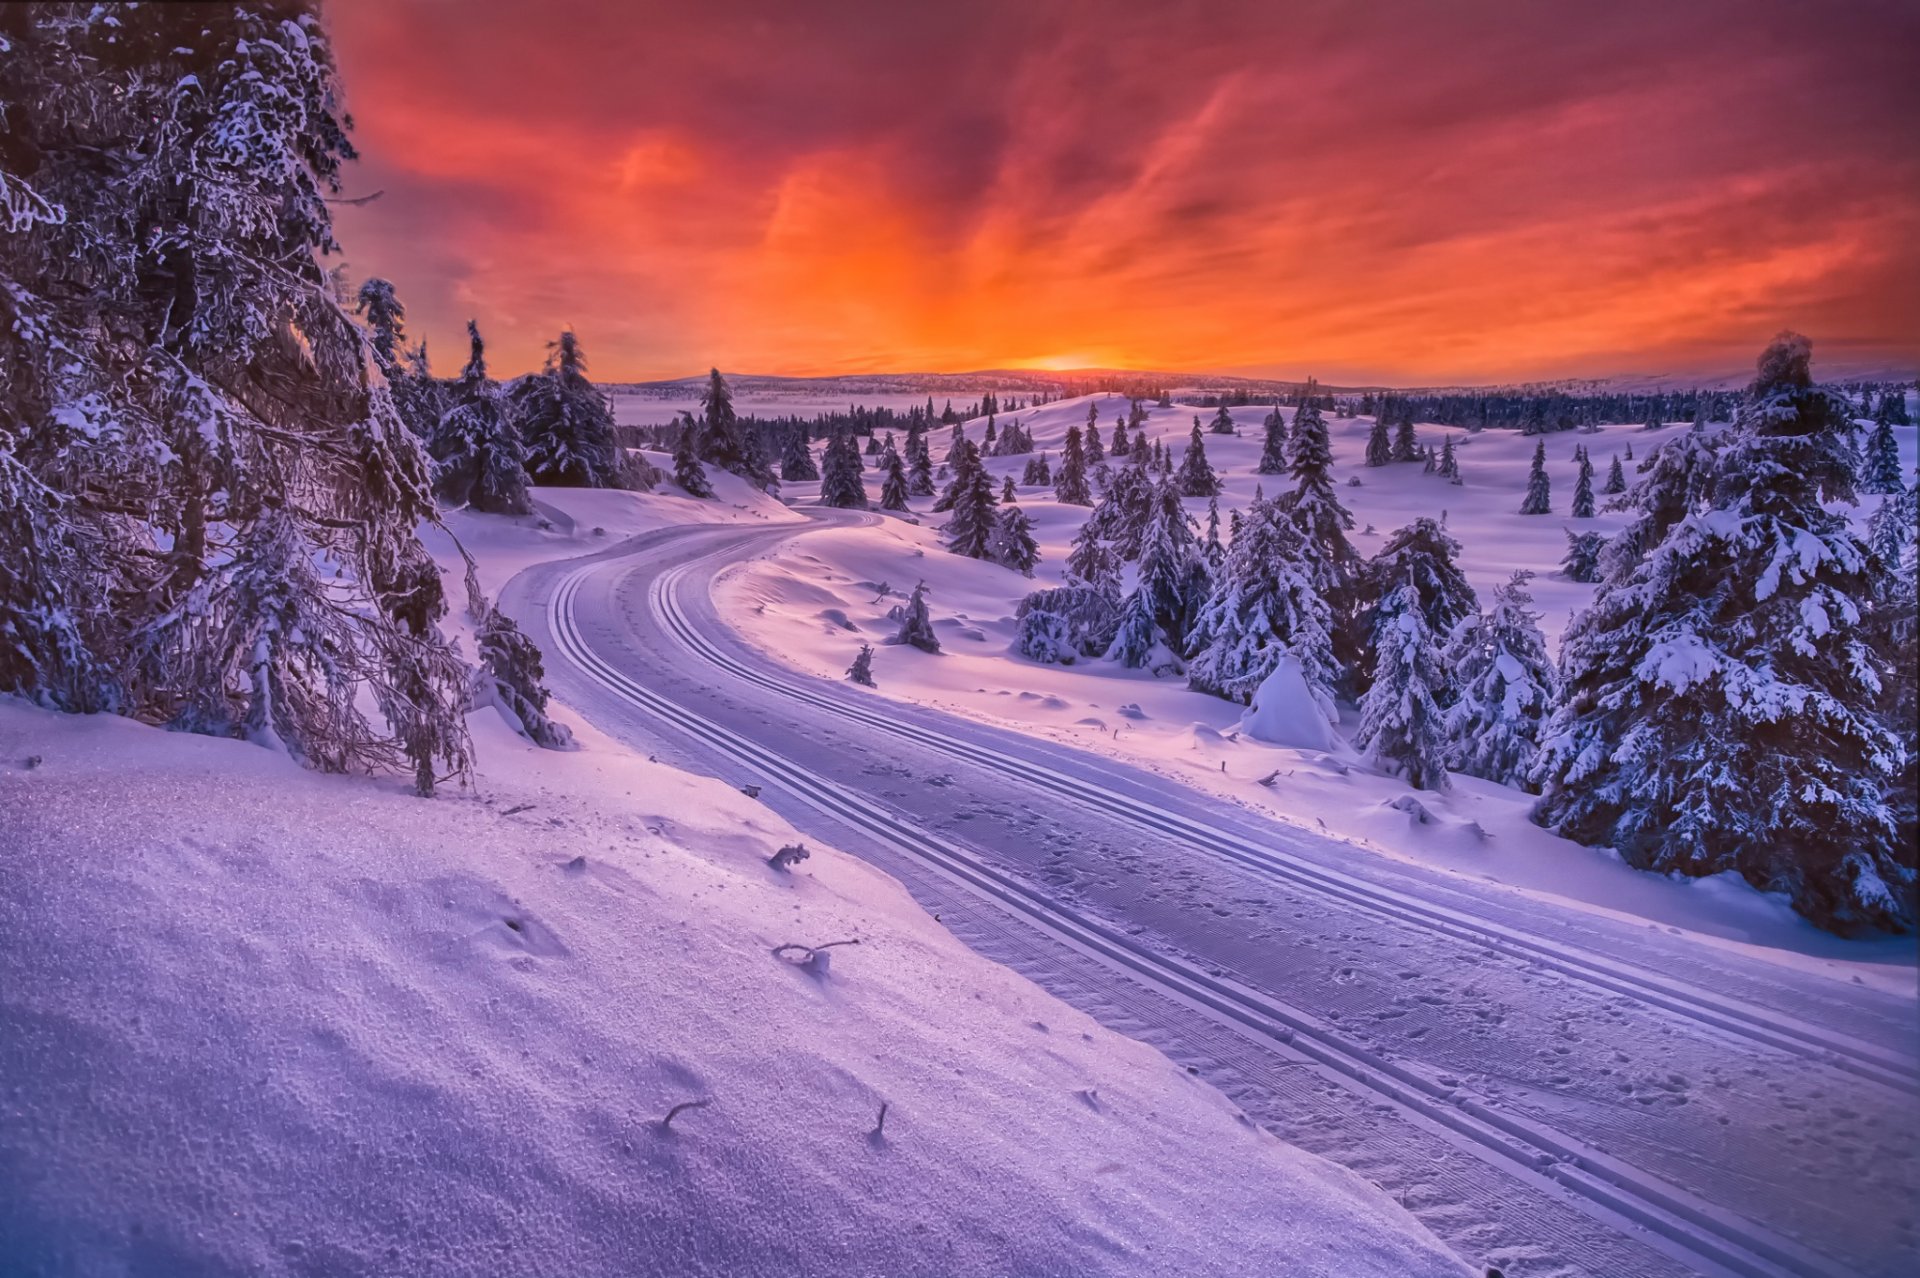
(1285, 712)
(260, 1020)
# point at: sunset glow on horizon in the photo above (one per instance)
(1401, 193)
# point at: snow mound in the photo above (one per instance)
(1285, 712)
(257, 1020)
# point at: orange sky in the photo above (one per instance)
(1407, 192)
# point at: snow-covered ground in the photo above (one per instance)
(314, 1025)
(812, 601)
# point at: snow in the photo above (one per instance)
(782, 602)
(1284, 711)
(314, 1024)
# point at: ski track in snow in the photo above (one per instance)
(1538, 1104)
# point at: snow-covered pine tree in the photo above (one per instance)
(893, 489)
(1314, 508)
(478, 461)
(1498, 662)
(418, 396)
(386, 319)
(190, 423)
(1212, 547)
(1719, 699)
(1583, 487)
(1539, 498)
(567, 428)
(969, 532)
(517, 673)
(1421, 553)
(1880, 472)
(1096, 452)
(1449, 461)
(1406, 446)
(1616, 478)
(1011, 543)
(1895, 525)
(687, 470)
(954, 446)
(1008, 493)
(1379, 444)
(1037, 473)
(723, 441)
(1196, 477)
(1222, 423)
(916, 623)
(1264, 605)
(1121, 446)
(1173, 582)
(1585, 552)
(1402, 728)
(861, 671)
(1273, 448)
(841, 484)
(796, 458)
(919, 467)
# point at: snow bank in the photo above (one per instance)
(257, 1020)
(1284, 711)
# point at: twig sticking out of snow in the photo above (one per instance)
(788, 857)
(813, 958)
(666, 1124)
(519, 807)
(880, 1125)
(1269, 779)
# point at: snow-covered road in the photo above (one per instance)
(1550, 1091)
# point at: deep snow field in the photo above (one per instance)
(313, 1025)
(813, 601)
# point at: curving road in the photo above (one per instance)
(1549, 1091)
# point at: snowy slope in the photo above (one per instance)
(798, 604)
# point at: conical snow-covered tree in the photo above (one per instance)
(1894, 526)
(723, 440)
(1096, 451)
(916, 623)
(969, 532)
(919, 467)
(1196, 477)
(1038, 472)
(1585, 552)
(1583, 488)
(567, 428)
(1011, 543)
(1718, 705)
(201, 465)
(1424, 555)
(861, 671)
(1449, 467)
(893, 489)
(1314, 508)
(1539, 498)
(1379, 444)
(841, 484)
(1616, 478)
(386, 318)
(796, 459)
(1263, 606)
(1402, 729)
(478, 461)
(1273, 447)
(687, 470)
(954, 446)
(1173, 582)
(1498, 662)
(1070, 484)
(1091, 560)
(1222, 423)
(1008, 493)
(1406, 446)
(1880, 472)
(418, 396)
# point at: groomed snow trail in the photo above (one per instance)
(1544, 1089)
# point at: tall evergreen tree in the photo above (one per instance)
(1263, 606)
(1402, 728)
(687, 470)
(1718, 711)
(1449, 461)
(796, 459)
(893, 489)
(386, 321)
(1096, 453)
(1314, 508)
(1273, 448)
(1583, 488)
(567, 428)
(1424, 555)
(723, 441)
(841, 485)
(1881, 471)
(1196, 477)
(1222, 423)
(418, 396)
(1038, 472)
(1379, 445)
(970, 530)
(1173, 582)
(1011, 543)
(478, 461)
(919, 466)
(190, 423)
(1584, 554)
(1616, 478)
(1406, 446)
(1498, 661)
(1539, 498)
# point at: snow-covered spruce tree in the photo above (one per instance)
(1096, 451)
(919, 468)
(1122, 447)
(1449, 460)
(1212, 547)
(723, 440)
(1038, 473)
(1273, 447)
(1583, 488)
(418, 396)
(893, 488)
(1062, 625)
(1585, 553)
(517, 673)
(386, 320)
(478, 461)
(1196, 477)
(955, 444)
(1008, 493)
(1894, 526)
(1406, 446)
(1173, 583)
(567, 428)
(1379, 444)
(1011, 544)
(1092, 561)
(1264, 605)
(190, 423)
(1880, 470)
(1718, 703)
(687, 470)
(1314, 508)
(1498, 662)
(1616, 478)
(1424, 555)
(796, 458)
(970, 531)
(1402, 729)
(1539, 498)
(916, 623)
(1222, 423)
(841, 484)
(861, 671)
(1070, 484)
